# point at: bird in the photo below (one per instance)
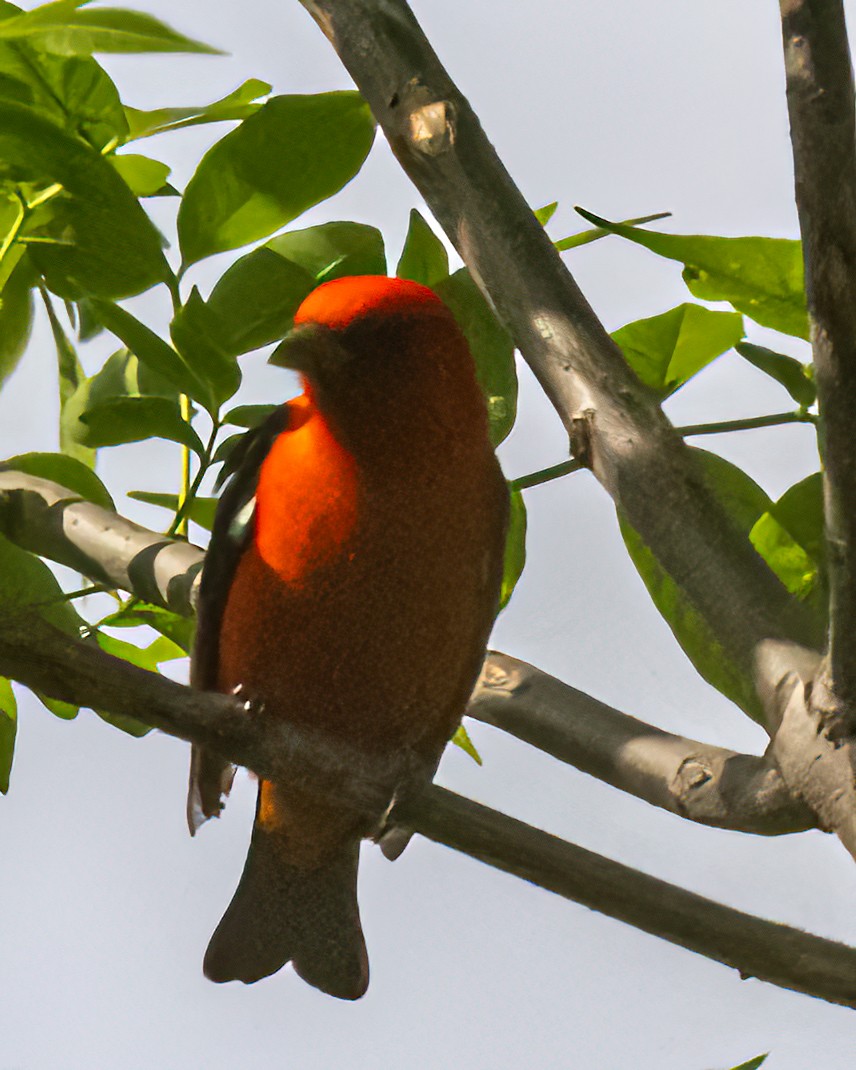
(350, 586)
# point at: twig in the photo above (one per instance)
(823, 136)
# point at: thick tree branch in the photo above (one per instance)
(614, 422)
(82, 673)
(823, 135)
(708, 784)
(703, 783)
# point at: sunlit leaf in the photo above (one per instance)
(8, 729)
(515, 547)
(753, 1064)
(65, 470)
(667, 350)
(236, 105)
(461, 739)
(291, 154)
(424, 258)
(64, 28)
(585, 237)
(16, 314)
(760, 277)
(545, 214)
(145, 177)
(491, 347)
(175, 627)
(796, 378)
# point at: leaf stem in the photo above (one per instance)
(545, 475)
(189, 490)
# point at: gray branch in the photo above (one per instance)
(79, 672)
(707, 784)
(823, 136)
(702, 783)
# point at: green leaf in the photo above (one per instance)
(8, 729)
(667, 350)
(65, 470)
(515, 547)
(744, 502)
(545, 214)
(144, 177)
(70, 379)
(201, 510)
(491, 347)
(16, 314)
(106, 244)
(146, 658)
(236, 105)
(133, 419)
(584, 237)
(753, 1064)
(461, 739)
(796, 378)
(760, 277)
(293, 153)
(152, 351)
(74, 91)
(248, 415)
(178, 629)
(62, 28)
(198, 335)
(424, 258)
(790, 538)
(28, 586)
(257, 297)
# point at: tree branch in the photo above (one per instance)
(707, 784)
(614, 422)
(702, 783)
(79, 672)
(823, 135)
(777, 953)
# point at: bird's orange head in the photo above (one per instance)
(384, 359)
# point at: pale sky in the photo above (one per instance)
(107, 905)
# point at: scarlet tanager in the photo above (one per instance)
(350, 586)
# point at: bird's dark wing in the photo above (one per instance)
(210, 775)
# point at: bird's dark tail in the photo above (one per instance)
(282, 913)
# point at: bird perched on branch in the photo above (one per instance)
(350, 586)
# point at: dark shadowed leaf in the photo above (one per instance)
(198, 335)
(291, 154)
(201, 511)
(248, 415)
(667, 350)
(64, 28)
(133, 419)
(424, 258)
(144, 177)
(515, 547)
(796, 378)
(66, 471)
(491, 347)
(744, 502)
(761, 277)
(106, 244)
(152, 351)
(178, 629)
(8, 728)
(237, 105)
(257, 297)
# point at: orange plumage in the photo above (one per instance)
(359, 602)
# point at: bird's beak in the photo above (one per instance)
(311, 349)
